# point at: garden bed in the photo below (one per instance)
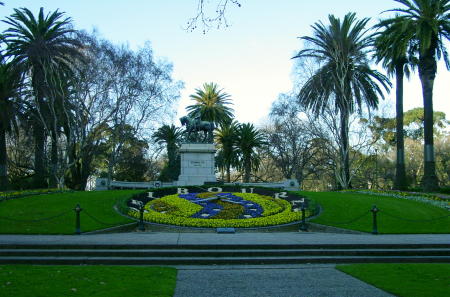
(219, 209)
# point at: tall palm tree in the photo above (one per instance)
(41, 47)
(211, 104)
(248, 139)
(344, 78)
(226, 137)
(171, 137)
(392, 50)
(10, 83)
(427, 22)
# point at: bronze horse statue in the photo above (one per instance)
(197, 125)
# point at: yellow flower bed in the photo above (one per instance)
(276, 212)
(269, 204)
(183, 207)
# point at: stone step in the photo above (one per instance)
(130, 246)
(220, 252)
(220, 260)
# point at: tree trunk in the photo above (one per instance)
(39, 156)
(53, 181)
(228, 173)
(345, 174)
(247, 170)
(3, 161)
(400, 174)
(427, 73)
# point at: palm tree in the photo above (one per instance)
(211, 104)
(344, 78)
(10, 83)
(226, 137)
(171, 137)
(392, 50)
(248, 139)
(427, 23)
(42, 47)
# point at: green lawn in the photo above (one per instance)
(89, 281)
(339, 208)
(406, 280)
(97, 204)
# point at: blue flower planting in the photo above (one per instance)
(211, 209)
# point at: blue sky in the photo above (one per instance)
(250, 60)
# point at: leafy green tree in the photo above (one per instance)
(392, 51)
(132, 164)
(171, 137)
(42, 47)
(427, 23)
(226, 138)
(10, 83)
(412, 125)
(211, 104)
(248, 140)
(344, 79)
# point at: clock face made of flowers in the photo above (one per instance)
(217, 207)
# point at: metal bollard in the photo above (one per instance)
(303, 226)
(77, 209)
(141, 218)
(374, 211)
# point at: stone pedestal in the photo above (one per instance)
(197, 164)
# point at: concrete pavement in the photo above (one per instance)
(294, 238)
(271, 281)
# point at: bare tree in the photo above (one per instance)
(208, 16)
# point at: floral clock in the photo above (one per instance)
(221, 209)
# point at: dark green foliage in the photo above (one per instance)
(226, 138)
(211, 104)
(248, 140)
(45, 49)
(170, 136)
(344, 80)
(427, 24)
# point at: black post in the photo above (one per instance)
(374, 211)
(77, 209)
(141, 218)
(303, 226)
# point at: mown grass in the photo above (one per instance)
(406, 280)
(396, 216)
(86, 281)
(24, 215)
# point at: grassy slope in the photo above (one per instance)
(97, 204)
(92, 281)
(407, 280)
(343, 207)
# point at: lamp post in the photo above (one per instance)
(303, 226)
(141, 217)
(374, 211)
(77, 210)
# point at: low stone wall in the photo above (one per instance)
(101, 184)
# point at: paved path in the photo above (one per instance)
(270, 281)
(219, 239)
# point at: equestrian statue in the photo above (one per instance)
(197, 125)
